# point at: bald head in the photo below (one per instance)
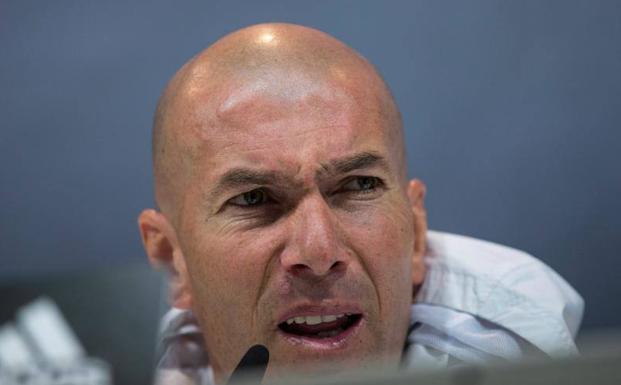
(280, 175)
(222, 88)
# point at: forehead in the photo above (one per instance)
(292, 124)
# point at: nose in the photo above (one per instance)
(314, 249)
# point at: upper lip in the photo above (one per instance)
(305, 310)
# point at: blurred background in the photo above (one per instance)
(512, 111)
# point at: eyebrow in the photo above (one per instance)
(242, 177)
(356, 162)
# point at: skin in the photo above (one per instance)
(317, 211)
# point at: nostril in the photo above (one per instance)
(337, 266)
(300, 268)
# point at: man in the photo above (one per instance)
(286, 217)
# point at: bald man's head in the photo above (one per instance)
(281, 179)
(277, 62)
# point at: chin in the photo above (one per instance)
(343, 366)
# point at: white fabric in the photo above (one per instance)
(505, 287)
(480, 302)
(461, 337)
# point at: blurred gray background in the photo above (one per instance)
(512, 109)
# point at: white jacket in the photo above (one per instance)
(481, 301)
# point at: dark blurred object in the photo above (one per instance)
(252, 365)
(600, 364)
(82, 372)
(114, 313)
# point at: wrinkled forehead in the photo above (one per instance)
(216, 92)
(290, 115)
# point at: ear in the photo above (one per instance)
(416, 194)
(160, 242)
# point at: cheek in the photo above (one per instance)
(228, 272)
(383, 238)
(385, 231)
(228, 268)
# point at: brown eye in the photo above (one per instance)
(250, 198)
(362, 184)
(366, 182)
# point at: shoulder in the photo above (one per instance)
(502, 285)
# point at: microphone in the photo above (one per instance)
(252, 365)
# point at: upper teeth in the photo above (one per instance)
(314, 319)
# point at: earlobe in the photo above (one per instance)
(160, 243)
(416, 195)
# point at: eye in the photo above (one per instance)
(362, 184)
(250, 198)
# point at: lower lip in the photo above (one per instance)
(336, 342)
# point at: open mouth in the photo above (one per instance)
(320, 326)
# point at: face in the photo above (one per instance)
(296, 231)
